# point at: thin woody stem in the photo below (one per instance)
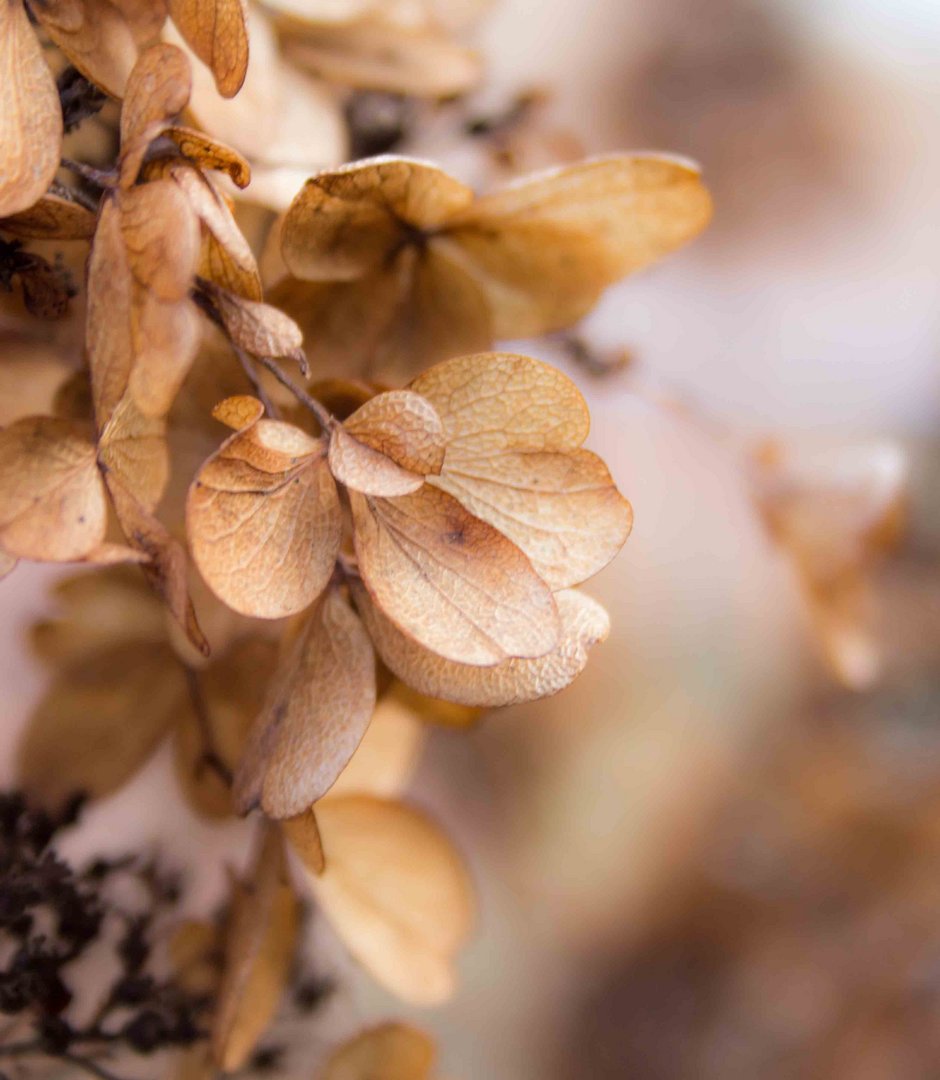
(99, 177)
(323, 415)
(245, 360)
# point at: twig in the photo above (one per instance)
(245, 360)
(210, 754)
(323, 415)
(99, 177)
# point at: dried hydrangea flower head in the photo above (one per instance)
(395, 264)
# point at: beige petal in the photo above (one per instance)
(562, 509)
(217, 32)
(257, 328)
(494, 403)
(133, 450)
(543, 250)
(52, 218)
(390, 1051)
(99, 722)
(30, 115)
(52, 502)
(167, 567)
(232, 691)
(370, 54)
(208, 153)
(583, 624)
(389, 445)
(396, 892)
(161, 234)
(261, 940)
(345, 223)
(95, 37)
(264, 521)
(157, 91)
(315, 717)
(386, 758)
(450, 581)
(226, 257)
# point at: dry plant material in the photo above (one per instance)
(217, 32)
(260, 942)
(389, 1051)
(396, 892)
(396, 264)
(836, 510)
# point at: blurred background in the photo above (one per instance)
(715, 856)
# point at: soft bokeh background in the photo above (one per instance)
(705, 859)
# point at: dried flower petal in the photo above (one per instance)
(451, 581)
(397, 893)
(30, 115)
(390, 1051)
(51, 218)
(263, 520)
(315, 717)
(583, 624)
(96, 38)
(157, 91)
(217, 32)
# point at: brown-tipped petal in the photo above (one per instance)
(583, 623)
(390, 1051)
(396, 892)
(346, 223)
(217, 32)
(52, 502)
(261, 939)
(208, 153)
(99, 722)
(315, 717)
(544, 249)
(264, 520)
(30, 115)
(451, 581)
(52, 218)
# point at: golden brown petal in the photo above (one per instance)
(451, 581)
(52, 502)
(30, 115)
(264, 522)
(157, 91)
(95, 36)
(583, 624)
(396, 892)
(318, 710)
(390, 1051)
(217, 32)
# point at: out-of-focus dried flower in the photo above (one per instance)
(836, 510)
(389, 1051)
(395, 264)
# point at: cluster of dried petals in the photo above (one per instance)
(393, 264)
(836, 509)
(474, 510)
(102, 41)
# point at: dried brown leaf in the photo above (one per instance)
(51, 218)
(451, 581)
(30, 115)
(217, 32)
(260, 943)
(371, 54)
(133, 449)
(100, 721)
(264, 521)
(583, 623)
(514, 427)
(95, 36)
(315, 717)
(257, 328)
(208, 153)
(389, 445)
(344, 224)
(52, 502)
(157, 92)
(161, 235)
(389, 1051)
(396, 892)
(544, 249)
